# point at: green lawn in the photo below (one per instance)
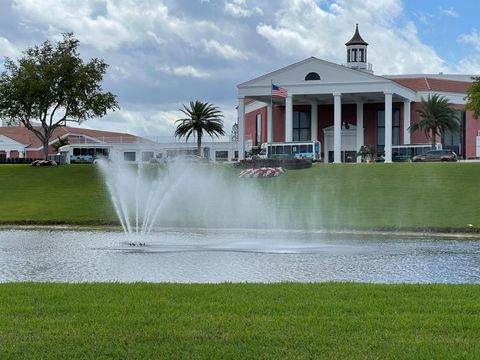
(409, 196)
(436, 196)
(239, 321)
(49, 195)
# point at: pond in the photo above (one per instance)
(213, 256)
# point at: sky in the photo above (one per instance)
(165, 53)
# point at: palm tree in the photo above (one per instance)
(436, 117)
(201, 118)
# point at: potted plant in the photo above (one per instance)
(367, 153)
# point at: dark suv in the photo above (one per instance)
(436, 155)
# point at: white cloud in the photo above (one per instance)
(188, 71)
(225, 50)
(129, 21)
(240, 8)
(7, 49)
(450, 12)
(469, 65)
(471, 39)
(145, 123)
(303, 29)
(158, 123)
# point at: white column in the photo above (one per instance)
(7, 153)
(241, 128)
(360, 132)
(288, 118)
(337, 128)
(388, 127)
(21, 154)
(314, 120)
(269, 123)
(406, 122)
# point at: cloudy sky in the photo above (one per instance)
(163, 53)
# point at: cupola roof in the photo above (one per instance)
(356, 39)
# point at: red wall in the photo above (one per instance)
(251, 125)
(472, 127)
(325, 119)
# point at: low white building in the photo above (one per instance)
(85, 145)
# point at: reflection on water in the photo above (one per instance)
(236, 256)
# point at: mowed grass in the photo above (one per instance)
(239, 321)
(409, 196)
(53, 195)
(414, 196)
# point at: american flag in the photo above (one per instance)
(279, 91)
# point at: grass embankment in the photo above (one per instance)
(408, 196)
(239, 321)
(54, 195)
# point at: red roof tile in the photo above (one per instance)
(26, 137)
(434, 84)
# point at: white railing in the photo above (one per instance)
(358, 65)
(78, 140)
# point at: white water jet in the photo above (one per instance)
(182, 194)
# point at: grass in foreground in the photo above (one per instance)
(239, 321)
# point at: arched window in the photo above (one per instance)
(312, 76)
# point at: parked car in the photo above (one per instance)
(436, 155)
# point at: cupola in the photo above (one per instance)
(357, 53)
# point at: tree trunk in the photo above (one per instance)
(434, 132)
(199, 145)
(45, 149)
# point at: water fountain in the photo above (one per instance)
(180, 194)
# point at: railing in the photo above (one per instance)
(102, 140)
(358, 65)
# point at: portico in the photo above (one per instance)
(315, 97)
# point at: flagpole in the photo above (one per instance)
(271, 113)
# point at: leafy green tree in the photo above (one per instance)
(60, 142)
(200, 118)
(436, 116)
(473, 97)
(50, 86)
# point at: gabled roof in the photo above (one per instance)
(320, 66)
(22, 135)
(433, 84)
(356, 39)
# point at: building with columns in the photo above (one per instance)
(347, 106)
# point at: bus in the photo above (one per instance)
(291, 150)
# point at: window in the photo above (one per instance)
(381, 128)
(129, 156)
(362, 51)
(312, 76)
(452, 141)
(258, 130)
(354, 55)
(221, 155)
(301, 126)
(396, 127)
(348, 55)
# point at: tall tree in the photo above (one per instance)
(436, 116)
(201, 117)
(473, 97)
(50, 86)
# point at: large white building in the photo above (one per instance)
(347, 106)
